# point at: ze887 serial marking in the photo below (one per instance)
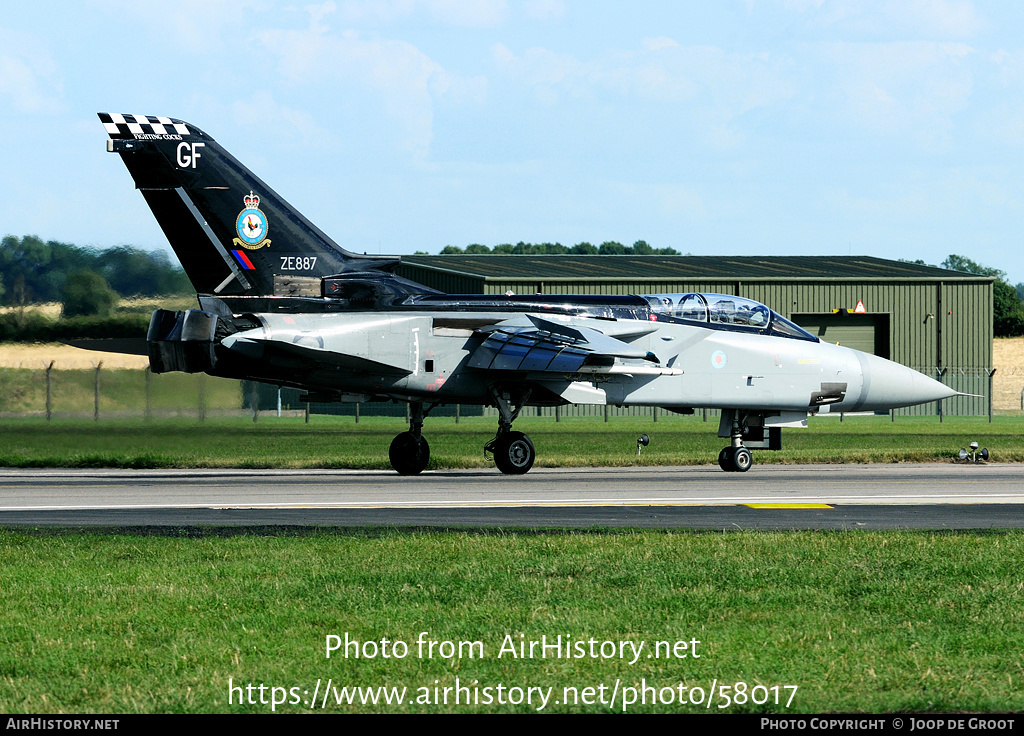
(298, 263)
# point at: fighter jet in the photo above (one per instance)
(282, 303)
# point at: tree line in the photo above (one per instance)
(1007, 300)
(89, 281)
(34, 271)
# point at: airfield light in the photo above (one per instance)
(975, 455)
(642, 441)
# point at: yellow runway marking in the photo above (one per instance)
(788, 505)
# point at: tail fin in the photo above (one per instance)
(234, 235)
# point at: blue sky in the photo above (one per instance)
(783, 127)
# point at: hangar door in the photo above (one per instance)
(868, 333)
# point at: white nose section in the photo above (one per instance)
(889, 385)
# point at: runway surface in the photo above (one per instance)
(918, 496)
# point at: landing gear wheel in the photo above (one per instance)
(725, 459)
(742, 460)
(735, 459)
(409, 454)
(514, 453)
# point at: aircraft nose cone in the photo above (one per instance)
(889, 385)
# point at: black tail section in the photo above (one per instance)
(232, 233)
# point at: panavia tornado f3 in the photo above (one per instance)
(282, 303)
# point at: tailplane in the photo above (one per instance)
(234, 235)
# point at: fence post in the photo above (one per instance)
(606, 413)
(202, 397)
(149, 376)
(991, 373)
(48, 405)
(558, 411)
(655, 414)
(458, 410)
(941, 372)
(254, 399)
(357, 412)
(96, 394)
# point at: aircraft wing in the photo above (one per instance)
(124, 345)
(536, 345)
(315, 356)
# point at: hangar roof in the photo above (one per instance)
(632, 268)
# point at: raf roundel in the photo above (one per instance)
(251, 224)
(718, 359)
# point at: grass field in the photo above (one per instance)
(124, 621)
(339, 442)
(1008, 383)
(121, 391)
(858, 622)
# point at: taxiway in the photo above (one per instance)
(921, 496)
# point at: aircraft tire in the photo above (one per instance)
(409, 454)
(742, 460)
(514, 453)
(724, 461)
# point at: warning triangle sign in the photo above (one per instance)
(860, 307)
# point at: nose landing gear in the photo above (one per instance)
(735, 458)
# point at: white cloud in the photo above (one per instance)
(197, 26)
(669, 200)
(1010, 66)
(942, 18)
(29, 78)
(901, 88)
(278, 121)
(460, 13)
(539, 67)
(544, 10)
(705, 83)
(933, 19)
(405, 79)
(469, 13)
(1004, 122)
(654, 44)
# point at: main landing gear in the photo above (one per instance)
(409, 452)
(513, 451)
(736, 458)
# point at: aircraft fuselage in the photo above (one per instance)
(414, 356)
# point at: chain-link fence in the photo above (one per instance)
(101, 392)
(1008, 391)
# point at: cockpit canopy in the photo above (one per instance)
(726, 312)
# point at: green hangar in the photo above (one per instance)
(931, 319)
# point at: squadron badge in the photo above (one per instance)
(251, 224)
